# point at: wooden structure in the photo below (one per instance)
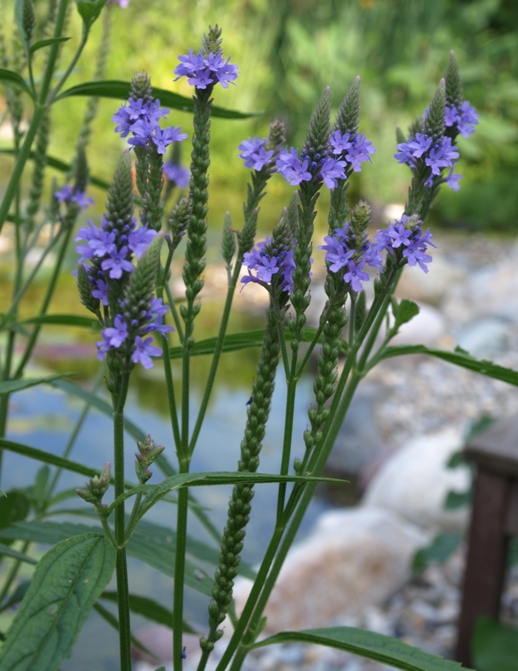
(494, 519)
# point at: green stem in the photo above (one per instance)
(288, 436)
(53, 51)
(133, 520)
(46, 302)
(119, 400)
(168, 373)
(215, 358)
(19, 166)
(179, 570)
(174, 312)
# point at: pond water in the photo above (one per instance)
(43, 417)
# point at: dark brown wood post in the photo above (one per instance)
(494, 518)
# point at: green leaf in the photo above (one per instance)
(62, 320)
(404, 312)
(456, 500)
(16, 596)
(442, 547)
(494, 646)
(9, 552)
(46, 533)
(14, 507)
(367, 644)
(153, 493)
(458, 358)
(233, 342)
(40, 44)
(66, 583)
(40, 484)
(47, 458)
(14, 78)
(90, 10)
(160, 554)
(120, 90)
(56, 163)
(11, 386)
(114, 622)
(149, 609)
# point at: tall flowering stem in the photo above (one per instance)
(240, 503)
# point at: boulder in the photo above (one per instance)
(415, 480)
(354, 558)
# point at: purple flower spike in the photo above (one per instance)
(254, 153)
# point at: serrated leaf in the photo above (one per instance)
(40, 44)
(47, 458)
(142, 605)
(11, 386)
(66, 584)
(14, 78)
(458, 357)
(9, 552)
(494, 646)
(442, 547)
(367, 644)
(120, 90)
(406, 311)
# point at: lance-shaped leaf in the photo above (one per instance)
(10, 386)
(14, 78)
(367, 644)
(153, 493)
(9, 552)
(458, 357)
(40, 44)
(66, 583)
(120, 90)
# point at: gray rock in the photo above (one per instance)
(354, 558)
(414, 482)
(485, 338)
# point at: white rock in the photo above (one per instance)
(426, 328)
(414, 482)
(353, 559)
(433, 286)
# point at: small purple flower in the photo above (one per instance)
(331, 171)
(420, 145)
(140, 239)
(101, 291)
(465, 118)
(117, 334)
(177, 174)
(117, 263)
(266, 265)
(359, 152)
(64, 194)
(340, 143)
(355, 275)
(291, 168)
(453, 180)
(254, 153)
(143, 350)
(141, 119)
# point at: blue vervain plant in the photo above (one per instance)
(123, 279)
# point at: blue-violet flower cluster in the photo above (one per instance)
(346, 151)
(68, 195)
(107, 258)
(406, 237)
(436, 156)
(269, 263)
(177, 174)
(254, 153)
(463, 118)
(204, 71)
(141, 119)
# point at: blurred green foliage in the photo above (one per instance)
(289, 50)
